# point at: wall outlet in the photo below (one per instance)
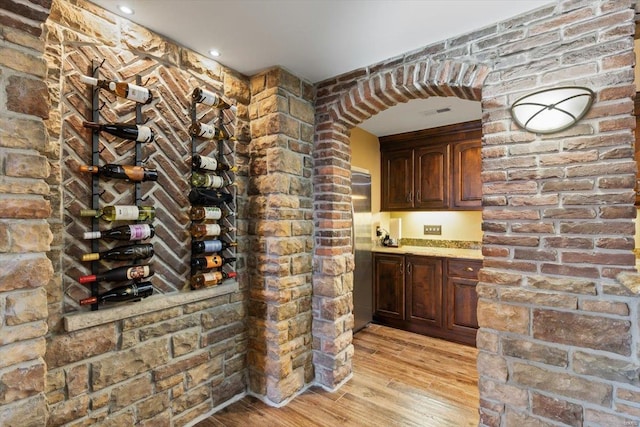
(434, 230)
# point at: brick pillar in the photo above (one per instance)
(25, 234)
(280, 231)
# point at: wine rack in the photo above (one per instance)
(95, 178)
(227, 222)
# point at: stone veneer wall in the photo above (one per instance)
(559, 335)
(280, 229)
(165, 362)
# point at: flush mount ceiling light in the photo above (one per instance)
(552, 110)
(125, 9)
(214, 52)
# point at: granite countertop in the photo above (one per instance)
(431, 251)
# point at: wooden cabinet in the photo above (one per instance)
(428, 295)
(388, 286)
(432, 169)
(424, 290)
(461, 298)
(637, 146)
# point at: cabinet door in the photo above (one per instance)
(461, 299)
(637, 146)
(424, 290)
(431, 165)
(397, 180)
(467, 168)
(388, 286)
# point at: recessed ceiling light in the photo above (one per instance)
(125, 9)
(214, 52)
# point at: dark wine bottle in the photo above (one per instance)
(199, 162)
(138, 133)
(211, 261)
(124, 232)
(121, 253)
(127, 272)
(203, 197)
(128, 292)
(122, 89)
(205, 280)
(128, 172)
(210, 246)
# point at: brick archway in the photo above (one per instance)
(339, 108)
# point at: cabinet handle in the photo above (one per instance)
(408, 268)
(469, 268)
(402, 269)
(418, 196)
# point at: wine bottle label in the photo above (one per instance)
(212, 246)
(212, 229)
(144, 132)
(125, 213)
(208, 98)
(213, 181)
(134, 173)
(138, 93)
(213, 261)
(207, 131)
(138, 272)
(92, 235)
(212, 213)
(209, 163)
(214, 276)
(140, 231)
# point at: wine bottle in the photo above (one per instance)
(206, 131)
(200, 197)
(205, 280)
(204, 230)
(210, 163)
(128, 172)
(119, 274)
(201, 213)
(124, 232)
(128, 292)
(138, 133)
(120, 253)
(122, 89)
(207, 180)
(210, 246)
(211, 99)
(122, 213)
(211, 261)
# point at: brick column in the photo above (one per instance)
(280, 230)
(25, 234)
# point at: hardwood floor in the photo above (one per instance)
(399, 379)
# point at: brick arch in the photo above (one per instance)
(339, 108)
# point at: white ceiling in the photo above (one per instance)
(320, 39)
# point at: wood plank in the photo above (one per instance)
(399, 379)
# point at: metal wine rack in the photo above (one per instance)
(228, 209)
(95, 161)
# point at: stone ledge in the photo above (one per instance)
(77, 321)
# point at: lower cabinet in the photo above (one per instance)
(427, 295)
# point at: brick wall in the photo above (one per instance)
(558, 335)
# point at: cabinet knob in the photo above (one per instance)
(469, 268)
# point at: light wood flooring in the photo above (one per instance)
(399, 379)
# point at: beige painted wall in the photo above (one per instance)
(456, 225)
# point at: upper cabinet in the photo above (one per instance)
(433, 169)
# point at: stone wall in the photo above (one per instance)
(558, 339)
(25, 235)
(280, 229)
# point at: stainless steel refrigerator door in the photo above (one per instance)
(363, 275)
